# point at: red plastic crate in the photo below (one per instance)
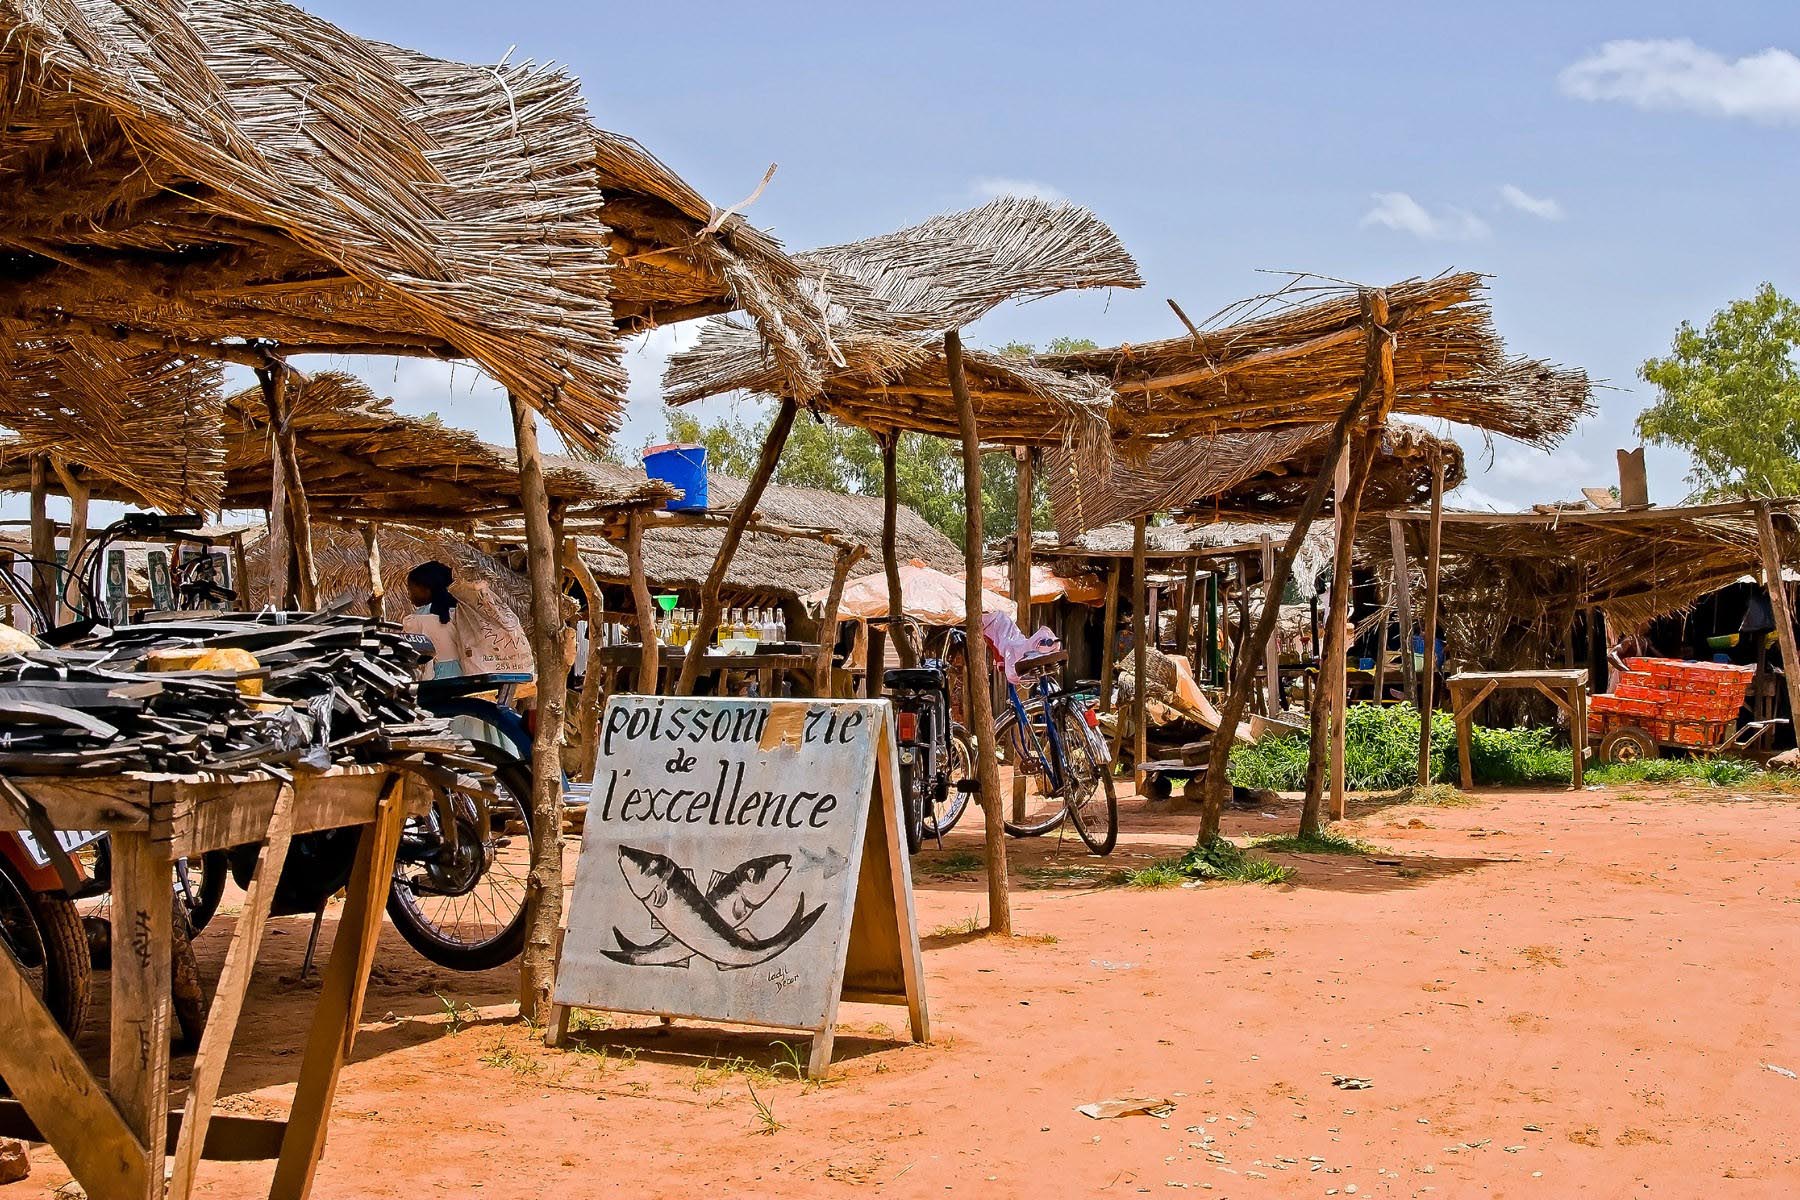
(1626, 705)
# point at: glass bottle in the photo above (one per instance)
(753, 625)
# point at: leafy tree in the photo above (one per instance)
(1729, 395)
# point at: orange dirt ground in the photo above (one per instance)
(1552, 994)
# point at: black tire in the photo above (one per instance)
(1007, 735)
(1627, 743)
(493, 943)
(46, 938)
(1092, 801)
(956, 801)
(202, 889)
(912, 806)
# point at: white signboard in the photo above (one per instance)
(742, 862)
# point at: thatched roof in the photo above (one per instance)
(890, 300)
(1108, 544)
(1256, 475)
(191, 176)
(1633, 564)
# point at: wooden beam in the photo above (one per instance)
(1021, 565)
(977, 701)
(708, 620)
(890, 554)
(644, 606)
(1185, 607)
(274, 379)
(1140, 653)
(1109, 636)
(1434, 545)
(587, 707)
(79, 488)
(1271, 646)
(1403, 606)
(1770, 544)
(43, 541)
(142, 918)
(544, 880)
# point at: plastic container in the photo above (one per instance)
(682, 466)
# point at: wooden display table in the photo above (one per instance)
(1567, 689)
(113, 1138)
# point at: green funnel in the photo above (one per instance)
(666, 601)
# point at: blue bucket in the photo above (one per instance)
(682, 466)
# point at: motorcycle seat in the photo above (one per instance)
(467, 685)
(913, 677)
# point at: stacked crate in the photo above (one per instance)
(1675, 702)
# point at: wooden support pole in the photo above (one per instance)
(1109, 636)
(708, 620)
(1778, 601)
(847, 557)
(978, 702)
(544, 881)
(43, 541)
(240, 573)
(890, 557)
(1021, 566)
(1381, 635)
(371, 536)
(1271, 645)
(1403, 605)
(1140, 658)
(274, 379)
(1574, 612)
(1325, 749)
(142, 920)
(1434, 544)
(587, 706)
(643, 606)
(79, 488)
(1184, 613)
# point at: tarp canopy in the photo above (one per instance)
(1046, 585)
(926, 594)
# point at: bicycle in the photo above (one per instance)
(1053, 739)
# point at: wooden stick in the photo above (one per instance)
(43, 541)
(341, 992)
(1403, 605)
(587, 707)
(1326, 718)
(1778, 600)
(978, 700)
(1022, 541)
(1109, 639)
(228, 997)
(79, 490)
(828, 623)
(274, 380)
(1184, 611)
(1433, 561)
(890, 554)
(1140, 653)
(708, 621)
(371, 536)
(240, 573)
(645, 607)
(544, 880)
(1271, 646)
(141, 919)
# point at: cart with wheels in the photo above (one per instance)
(1663, 704)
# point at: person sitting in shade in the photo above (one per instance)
(434, 619)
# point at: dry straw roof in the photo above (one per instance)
(1634, 564)
(1196, 540)
(1259, 475)
(192, 176)
(891, 298)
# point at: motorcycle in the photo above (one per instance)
(40, 924)
(937, 759)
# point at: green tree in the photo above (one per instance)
(1729, 395)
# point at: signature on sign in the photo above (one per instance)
(783, 979)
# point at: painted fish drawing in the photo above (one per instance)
(689, 917)
(733, 894)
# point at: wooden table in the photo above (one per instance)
(1567, 689)
(113, 1137)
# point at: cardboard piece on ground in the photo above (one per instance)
(742, 861)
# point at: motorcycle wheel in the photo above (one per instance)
(481, 926)
(912, 799)
(45, 936)
(956, 801)
(201, 885)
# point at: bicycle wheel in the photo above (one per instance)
(465, 910)
(1092, 802)
(1021, 750)
(943, 818)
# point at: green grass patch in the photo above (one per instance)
(1164, 873)
(1381, 753)
(1322, 842)
(1224, 860)
(1070, 875)
(954, 862)
(1712, 772)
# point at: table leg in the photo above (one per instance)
(141, 921)
(1577, 730)
(340, 999)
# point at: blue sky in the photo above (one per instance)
(1616, 167)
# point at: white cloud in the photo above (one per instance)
(1543, 207)
(990, 188)
(1678, 75)
(1399, 211)
(1471, 498)
(1546, 471)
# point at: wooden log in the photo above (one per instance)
(1140, 656)
(890, 554)
(708, 620)
(141, 916)
(978, 701)
(544, 880)
(645, 607)
(1021, 565)
(1770, 544)
(587, 707)
(1184, 610)
(1326, 720)
(274, 379)
(79, 490)
(1271, 646)
(1109, 636)
(828, 622)
(371, 536)
(43, 541)
(1403, 605)
(1434, 544)
(240, 573)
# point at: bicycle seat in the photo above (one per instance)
(913, 677)
(1041, 662)
(468, 685)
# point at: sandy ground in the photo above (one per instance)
(1551, 993)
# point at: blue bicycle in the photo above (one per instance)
(1052, 737)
